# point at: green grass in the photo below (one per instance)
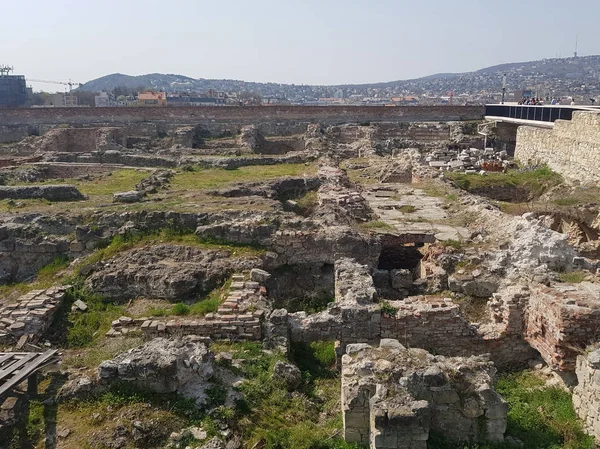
(535, 182)
(269, 416)
(85, 329)
(307, 203)
(569, 201)
(376, 224)
(388, 309)
(215, 178)
(407, 209)
(46, 277)
(125, 242)
(541, 417)
(209, 304)
(573, 277)
(117, 181)
(310, 304)
(451, 243)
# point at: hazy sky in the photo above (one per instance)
(288, 41)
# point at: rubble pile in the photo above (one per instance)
(470, 160)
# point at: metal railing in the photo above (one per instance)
(536, 113)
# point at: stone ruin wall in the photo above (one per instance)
(572, 147)
(393, 397)
(562, 321)
(219, 121)
(586, 395)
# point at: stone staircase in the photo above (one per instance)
(238, 317)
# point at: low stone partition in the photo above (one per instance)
(239, 317)
(431, 323)
(586, 395)
(63, 192)
(393, 397)
(561, 321)
(31, 314)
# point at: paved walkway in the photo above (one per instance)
(428, 217)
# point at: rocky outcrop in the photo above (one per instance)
(164, 366)
(63, 192)
(165, 271)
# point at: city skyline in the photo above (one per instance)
(313, 43)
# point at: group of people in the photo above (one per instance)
(532, 101)
(540, 102)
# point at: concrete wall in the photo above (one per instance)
(572, 148)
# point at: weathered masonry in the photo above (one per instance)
(16, 124)
(571, 148)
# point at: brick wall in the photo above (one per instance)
(561, 321)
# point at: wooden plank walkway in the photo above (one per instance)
(16, 367)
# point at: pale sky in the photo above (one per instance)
(285, 41)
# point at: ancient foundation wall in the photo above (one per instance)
(572, 148)
(273, 120)
(586, 395)
(562, 321)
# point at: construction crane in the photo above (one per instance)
(64, 83)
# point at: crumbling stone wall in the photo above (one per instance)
(392, 397)
(31, 314)
(586, 395)
(572, 148)
(82, 140)
(64, 192)
(563, 320)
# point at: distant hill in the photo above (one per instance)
(550, 75)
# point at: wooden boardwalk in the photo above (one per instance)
(16, 367)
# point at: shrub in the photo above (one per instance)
(388, 309)
(180, 309)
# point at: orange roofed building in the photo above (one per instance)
(150, 98)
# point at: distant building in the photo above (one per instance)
(103, 100)
(64, 99)
(182, 100)
(13, 90)
(151, 98)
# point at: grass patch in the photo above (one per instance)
(573, 277)
(102, 350)
(215, 178)
(376, 225)
(308, 304)
(388, 309)
(407, 209)
(269, 416)
(81, 330)
(46, 277)
(541, 417)
(535, 182)
(209, 304)
(128, 241)
(307, 203)
(450, 243)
